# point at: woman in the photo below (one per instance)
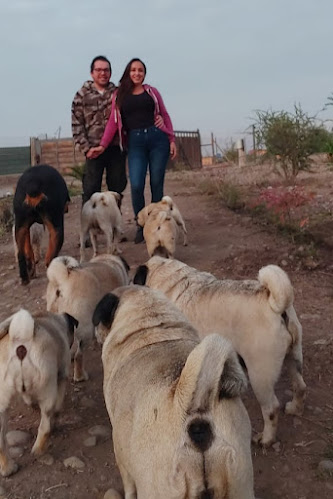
(135, 107)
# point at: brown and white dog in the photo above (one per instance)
(258, 316)
(101, 213)
(180, 429)
(77, 288)
(160, 222)
(34, 364)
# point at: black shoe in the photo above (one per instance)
(139, 235)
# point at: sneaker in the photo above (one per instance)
(139, 235)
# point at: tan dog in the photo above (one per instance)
(180, 429)
(101, 213)
(77, 288)
(257, 316)
(34, 363)
(160, 222)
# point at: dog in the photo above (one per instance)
(41, 196)
(101, 213)
(179, 426)
(77, 288)
(34, 364)
(160, 222)
(36, 236)
(258, 316)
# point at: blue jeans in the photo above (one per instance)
(147, 148)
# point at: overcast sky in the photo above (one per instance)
(213, 61)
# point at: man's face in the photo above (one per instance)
(101, 73)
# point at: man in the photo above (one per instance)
(90, 112)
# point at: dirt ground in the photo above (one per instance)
(230, 245)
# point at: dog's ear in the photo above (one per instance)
(105, 310)
(127, 267)
(233, 381)
(141, 275)
(72, 324)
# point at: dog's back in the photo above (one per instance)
(160, 233)
(185, 418)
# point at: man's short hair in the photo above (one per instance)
(99, 58)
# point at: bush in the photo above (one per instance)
(289, 139)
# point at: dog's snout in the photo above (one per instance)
(21, 352)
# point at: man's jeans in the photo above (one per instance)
(114, 162)
(147, 148)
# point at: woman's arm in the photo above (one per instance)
(111, 126)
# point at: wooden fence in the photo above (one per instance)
(62, 154)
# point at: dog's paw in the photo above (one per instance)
(9, 468)
(293, 408)
(79, 377)
(259, 440)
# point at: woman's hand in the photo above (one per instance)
(173, 150)
(94, 152)
(159, 122)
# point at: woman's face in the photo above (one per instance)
(137, 73)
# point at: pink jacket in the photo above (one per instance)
(114, 123)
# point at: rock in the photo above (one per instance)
(17, 437)
(100, 431)
(112, 494)
(284, 263)
(16, 452)
(317, 410)
(326, 466)
(289, 393)
(90, 441)
(47, 459)
(11, 283)
(74, 462)
(277, 447)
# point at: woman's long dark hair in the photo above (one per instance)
(125, 83)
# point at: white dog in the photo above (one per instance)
(179, 426)
(37, 232)
(160, 222)
(77, 288)
(34, 363)
(101, 213)
(257, 316)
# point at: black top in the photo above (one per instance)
(137, 111)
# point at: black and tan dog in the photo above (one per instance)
(34, 364)
(41, 196)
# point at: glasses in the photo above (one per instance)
(102, 70)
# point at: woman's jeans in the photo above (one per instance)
(147, 147)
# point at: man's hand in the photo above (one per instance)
(173, 150)
(159, 122)
(94, 152)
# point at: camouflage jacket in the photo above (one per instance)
(90, 113)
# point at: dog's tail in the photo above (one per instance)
(280, 290)
(60, 268)
(21, 332)
(211, 374)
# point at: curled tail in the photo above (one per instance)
(281, 294)
(60, 268)
(211, 373)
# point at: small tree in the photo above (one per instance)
(288, 139)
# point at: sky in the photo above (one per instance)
(215, 62)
